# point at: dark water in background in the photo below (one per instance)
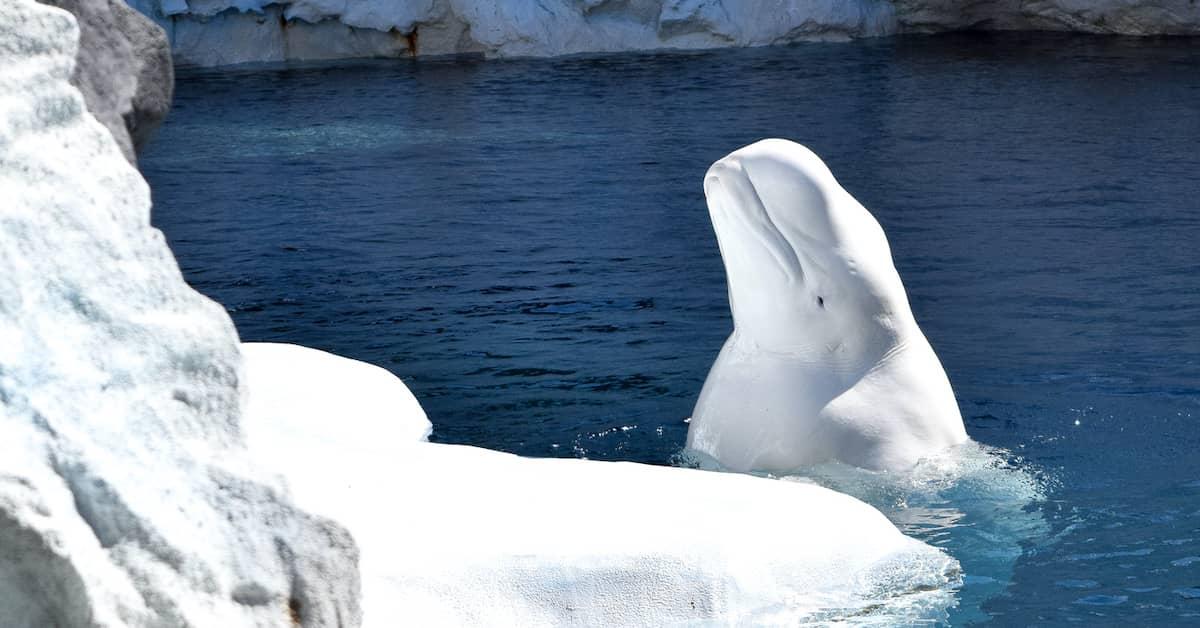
(525, 243)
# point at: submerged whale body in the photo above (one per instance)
(825, 362)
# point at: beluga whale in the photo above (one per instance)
(826, 362)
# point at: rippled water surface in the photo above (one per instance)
(525, 243)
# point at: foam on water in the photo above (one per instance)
(977, 502)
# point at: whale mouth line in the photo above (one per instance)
(792, 265)
(741, 208)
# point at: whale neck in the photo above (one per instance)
(849, 342)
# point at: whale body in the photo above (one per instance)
(825, 362)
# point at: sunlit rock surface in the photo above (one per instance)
(218, 32)
(123, 69)
(294, 382)
(126, 495)
(454, 535)
(1117, 17)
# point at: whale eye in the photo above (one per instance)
(820, 301)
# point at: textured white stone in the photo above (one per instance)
(123, 69)
(262, 30)
(238, 31)
(1122, 17)
(126, 495)
(402, 16)
(453, 535)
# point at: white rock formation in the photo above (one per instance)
(368, 404)
(126, 495)
(455, 536)
(217, 32)
(123, 69)
(1118, 17)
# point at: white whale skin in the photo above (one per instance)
(826, 362)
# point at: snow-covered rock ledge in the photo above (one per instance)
(126, 493)
(221, 32)
(463, 536)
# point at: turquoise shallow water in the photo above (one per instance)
(526, 244)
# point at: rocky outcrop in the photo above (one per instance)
(220, 32)
(126, 493)
(123, 69)
(1116, 17)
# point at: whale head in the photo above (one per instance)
(809, 269)
(826, 361)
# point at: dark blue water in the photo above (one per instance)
(525, 243)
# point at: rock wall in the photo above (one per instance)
(123, 69)
(1114, 17)
(126, 493)
(220, 32)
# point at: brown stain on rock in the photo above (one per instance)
(410, 39)
(293, 611)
